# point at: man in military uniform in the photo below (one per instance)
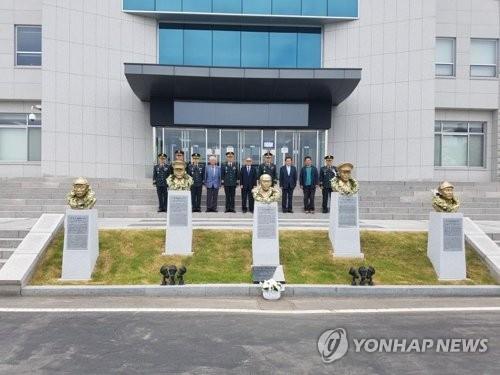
(160, 173)
(179, 155)
(268, 167)
(230, 175)
(197, 172)
(326, 173)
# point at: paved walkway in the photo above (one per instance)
(241, 221)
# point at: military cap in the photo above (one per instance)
(162, 155)
(80, 181)
(343, 165)
(229, 153)
(329, 157)
(445, 184)
(268, 153)
(179, 152)
(196, 155)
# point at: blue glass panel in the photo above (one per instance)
(227, 6)
(171, 46)
(226, 47)
(197, 47)
(197, 6)
(309, 50)
(254, 49)
(314, 7)
(139, 4)
(343, 8)
(286, 6)
(282, 50)
(257, 6)
(169, 5)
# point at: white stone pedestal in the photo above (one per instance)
(446, 246)
(81, 244)
(179, 239)
(344, 226)
(265, 243)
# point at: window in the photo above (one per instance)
(445, 57)
(240, 46)
(286, 6)
(459, 144)
(28, 45)
(483, 58)
(257, 6)
(20, 139)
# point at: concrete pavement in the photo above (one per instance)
(182, 342)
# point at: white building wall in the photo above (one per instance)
(463, 20)
(386, 127)
(93, 124)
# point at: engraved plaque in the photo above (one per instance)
(348, 211)
(261, 273)
(178, 211)
(266, 222)
(77, 232)
(453, 239)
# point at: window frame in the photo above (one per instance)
(17, 52)
(441, 134)
(454, 58)
(26, 127)
(495, 66)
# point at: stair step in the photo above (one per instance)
(2, 262)
(13, 233)
(10, 242)
(5, 253)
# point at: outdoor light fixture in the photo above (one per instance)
(164, 273)
(366, 274)
(180, 275)
(32, 116)
(172, 270)
(369, 275)
(354, 274)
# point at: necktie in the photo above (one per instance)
(248, 170)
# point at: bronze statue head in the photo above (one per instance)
(80, 187)
(345, 171)
(446, 190)
(265, 182)
(179, 168)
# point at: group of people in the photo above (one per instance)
(230, 175)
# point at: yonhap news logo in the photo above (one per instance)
(333, 345)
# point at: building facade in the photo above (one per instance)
(404, 89)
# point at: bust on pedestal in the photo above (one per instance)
(81, 239)
(265, 236)
(179, 236)
(344, 214)
(446, 245)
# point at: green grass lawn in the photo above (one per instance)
(223, 256)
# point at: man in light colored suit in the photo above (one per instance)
(212, 182)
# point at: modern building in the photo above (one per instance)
(404, 89)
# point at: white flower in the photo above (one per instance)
(272, 284)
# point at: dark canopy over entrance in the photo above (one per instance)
(231, 89)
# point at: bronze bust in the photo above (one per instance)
(179, 180)
(81, 196)
(344, 184)
(444, 199)
(265, 192)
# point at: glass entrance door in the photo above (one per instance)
(285, 145)
(308, 146)
(230, 141)
(250, 146)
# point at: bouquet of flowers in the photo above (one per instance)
(272, 285)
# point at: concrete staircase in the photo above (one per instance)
(9, 241)
(30, 197)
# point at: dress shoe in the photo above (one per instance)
(290, 211)
(244, 210)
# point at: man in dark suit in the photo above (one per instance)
(248, 180)
(212, 182)
(268, 167)
(197, 172)
(230, 175)
(309, 179)
(160, 173)
(288, 182)
(326, 173)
